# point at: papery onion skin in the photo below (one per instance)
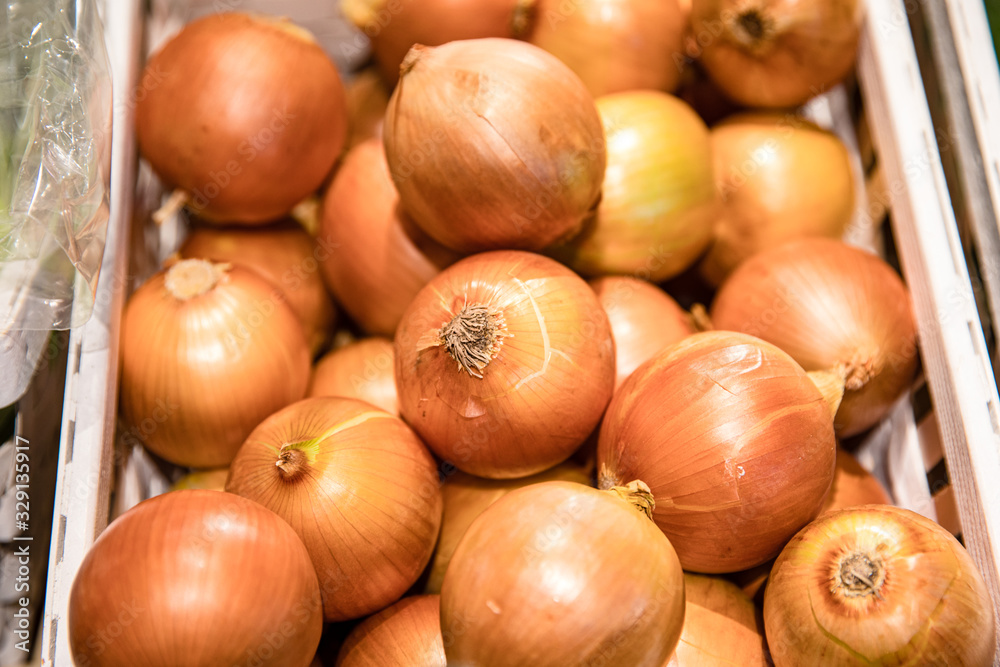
(284, 254)
(779, 178)
(169, 573)
(359, 488)
(199, 374)
(831, 307)
(493, 144)
(615, 45)
(734, 440)
(721, 626)
(378, 259)
(558, 574)
(407, 634)
(466, 497)
(549, 375)
(364, 370)
(658, 200)
(776, 53)
(644, 320)
(932, 607)
(231, 101)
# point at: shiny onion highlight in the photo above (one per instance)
(364, 370)
(407, 634)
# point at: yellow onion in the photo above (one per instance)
(831, 307)
(615, 45)
(877, 585)
(367, 97)
(357, 486)
(196, 578)
(776, 53)
(364, 370)
(721, 626)
(504, 363)
(734, 440)
(213, 479)
(208, 351)
(243, 114)
(558, 574)
(284, 254)
(378, 259)
(644, 320)
(493, 144)
(779, 178)
(658, 202)
(407, 634)
(853, 486)
(466, 497)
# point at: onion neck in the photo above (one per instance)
(473, 338)
(859, 574)
(753, 28)
(189, 278)
(292, 463)
(857, 372)
(411, 58)
(831, 386)
(637, 494)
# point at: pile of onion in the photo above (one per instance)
(377, 259)
(558, 574)
(734, 440)
(160, 586)
(504, 363)
(832, 307)
(234, 100)
(877, 585)
(615, 45)
(493, 144)
(208, 351)
(779, 177)
(364, 370)
(773, 53)
(658, 200)
(284, 254)
(406, 634)
(357, 486)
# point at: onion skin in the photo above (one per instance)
(364, 370)
(199, 374)
(558, 574)
(793, 50)
(493, 144)
(658, 202)
(726, 430)
(232, 100)
(212, 480)
(615, 45)
(407, 634)
(831, 307)
(853, 486)
(779, 178)
(644, 320)
(286, 256)
(169, 573)
(357, 486)
(721, 626)
(466, 497)
(378, 259)
(544, 387)
(933, 607)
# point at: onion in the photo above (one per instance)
(831, 307)
(558, 574)
(615, 45)
(367, 97)
(504, 364)
(407, 634)
(378, 259)
(363, 370)
(357, 486)
(466, 497)
(853, 486)
(734, 440)
(208, 351)
(658, 203)
(196, 578)
(721, 626)
(753, 581)
(232, 102)
(284, 254)
(877, 585)
(775, 53)
(493, 144)
(779, 178)
(644, 320)
(213, 479)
